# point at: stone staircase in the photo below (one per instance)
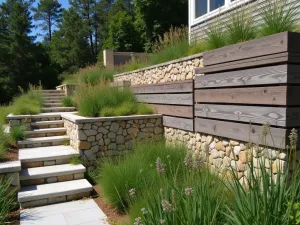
(47, 177)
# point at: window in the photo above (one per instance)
(201, 7)
(214, 4)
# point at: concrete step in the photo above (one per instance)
(44, 141)
(46, 156)
(48, 132)
(57, 104)
(53, 91)
(46, 117)
(47, 124)
(52, 97)
(51, 174)
(46, 101)
(50, 94)
(44, 194)
(59, 109)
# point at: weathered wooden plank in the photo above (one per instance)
(279, 74)
(277, 116)
(256, 95)
(174, 110)
(242, 132)
(171, 87)
(180, 123)
(280, 58)
(273, 44)
(169, 99)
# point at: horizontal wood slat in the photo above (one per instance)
(257, 95)
(279, 58)
(169, 99)
(273, 44)
(279, 74)
(174, 110)
(180, 123)
(241, 132)
(179, 87)
(276, 116)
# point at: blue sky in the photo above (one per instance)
(37, 30)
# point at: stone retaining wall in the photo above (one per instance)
(223, 154)
(9, 171)
(176, 70)
(68, 88)
(112, 136)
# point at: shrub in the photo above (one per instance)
(126, 108)
(131, 176)
(67, 101)
(144, 109)
(241, 27)
(4, 111)
(107, 111)
(5, 141)
(216, 37)
(75, 160)
(7, 200)
(278, 16)
(17, 133)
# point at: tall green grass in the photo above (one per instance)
(102, 100)
(68, 101)
(5, 140)
(17, 133)
(7, 200)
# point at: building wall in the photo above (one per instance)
(256, 8)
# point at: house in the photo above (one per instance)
(206, 13)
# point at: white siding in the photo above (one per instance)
(197, 31)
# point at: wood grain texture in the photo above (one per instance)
(241, 132)
(277, 116)
(273, 44)
(256, 76)
(171, 87)
(280, 58)
(180, 123)
(256, 95)
(168, 99)
(174, 110)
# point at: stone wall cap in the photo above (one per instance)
(63, 85)
(80, 119)
(41, 115)
(9, 167)
(161, 64)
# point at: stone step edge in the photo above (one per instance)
(44, 140)
(51, 122)
(38, 192)
(46, 130)
(58, 108)
(45, 171)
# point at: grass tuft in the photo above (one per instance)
(7, 200)
(17, 133)
(67, 101)
(75, 160)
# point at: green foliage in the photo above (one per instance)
(216, 37)
(4, 111)
(5, 141)
(49, 12)
(136, 171)
(93, 74)
(278, 16)
(7, 200)
(102, 100)
(144, 109)
(75, 160)
(17, 133)
(241, 27)
(28, 103)
(67, 101)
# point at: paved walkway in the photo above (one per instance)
(83, 212)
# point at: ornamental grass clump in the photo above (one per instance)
(7, 200)
(67, 101)
(103, 100)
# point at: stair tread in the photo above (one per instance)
(36, 192)
(44, 139)
(50, 171)
(62, 107)
(46, 153)
(52, 122)
(46, 130)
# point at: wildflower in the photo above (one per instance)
(160, 167)
(188, 191)
(162, 221)
(167, 206)
(144, 211)
(138, 221)
(132, 192)
(188, 160)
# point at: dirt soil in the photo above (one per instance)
(14, 217)
(11, 155)
(114, 217)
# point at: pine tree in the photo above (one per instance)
(49, 12)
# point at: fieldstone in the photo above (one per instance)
(225, 143)
(221, 154)
(124, 132)
(107, 123)
(219, 146)
(208, 139)
(101, 142)
(99, 136)
(87, 126)
(236, 150)
(218, 162)
(270, 154)
(245, 156)
(228, 150)
(114, 127)
(51, 180)
(198, 145)
(91, 139)
(212, 145)
(13, 178)
(241, 166)
(234, 143)
(81, 135)
(112, 146)
(120, 139)
(215, 154)
(111, 135)
(107, 141)
(279, 166)
(84, 145)
(49, 163)
(123, 124)
(158, 130)
(103, 130)
(90, 155)
(282, 156)
(132, 130)
(90, 132)
(95, 149)
(242, 147)
(94, 127)
(204, 147)
(226, 161)
(120, 131)
(149, 125)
